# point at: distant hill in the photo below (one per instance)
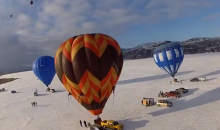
(19, 69)
(191, 46)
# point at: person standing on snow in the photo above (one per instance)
(85, 123)
(89, 125)
(80, 122)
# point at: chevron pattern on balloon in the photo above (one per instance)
(85, 64)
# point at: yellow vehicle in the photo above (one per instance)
(164, 103)
(111, 124)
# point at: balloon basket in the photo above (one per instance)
(176, 81)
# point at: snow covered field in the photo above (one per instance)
(197, 110)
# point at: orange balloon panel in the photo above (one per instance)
(89, 67)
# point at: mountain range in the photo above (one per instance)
(191, 46)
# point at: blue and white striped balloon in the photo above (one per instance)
(169, 57)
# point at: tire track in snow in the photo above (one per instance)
(128, 99)
(121, 105)
(65, 101)
(136, 111)
(6, 105)
(26, 113)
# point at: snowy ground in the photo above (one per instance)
(198, 110)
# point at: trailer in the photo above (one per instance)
(148, 102)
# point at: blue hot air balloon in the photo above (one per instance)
(44, 69)
(169, 57)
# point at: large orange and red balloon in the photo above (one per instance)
(89, 67)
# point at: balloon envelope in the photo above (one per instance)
(169, 57)
(89, 67)
(44, 69)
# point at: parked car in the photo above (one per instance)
(181, 90)
(169, 94)
(2, 89)
(13, 91)
(202, 78)
(111, 124)
(97, 127)
(198, 79)
(194, 80)
(164, 103)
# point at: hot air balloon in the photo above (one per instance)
(89, 67)
(31, 2)
(169, 57)
(44, 69)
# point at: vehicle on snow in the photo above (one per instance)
(198, 79)
(97, 127)
(169, 94)
(148, 102)
(164, 103)
(35, 94)
(50, 90)
(181, 90)
(13, 91)
(202, 78)
(2, 89)
(111, 124)
(194, 80)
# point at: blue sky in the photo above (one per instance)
(203, 24)
(39, 29)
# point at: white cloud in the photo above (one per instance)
(170, 9)
(40, 28)
(23, 20)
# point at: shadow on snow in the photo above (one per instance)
(208, 74)
(42, 94)
(212, 73)
(178, 105)
(59, 90)
(148, 78)
(131, 124)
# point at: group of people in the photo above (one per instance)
(96, 121)
(84, 122)
(34, 104)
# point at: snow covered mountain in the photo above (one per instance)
(191, 46)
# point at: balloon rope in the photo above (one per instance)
(71, 100)
(113, 94)
(113, 98)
